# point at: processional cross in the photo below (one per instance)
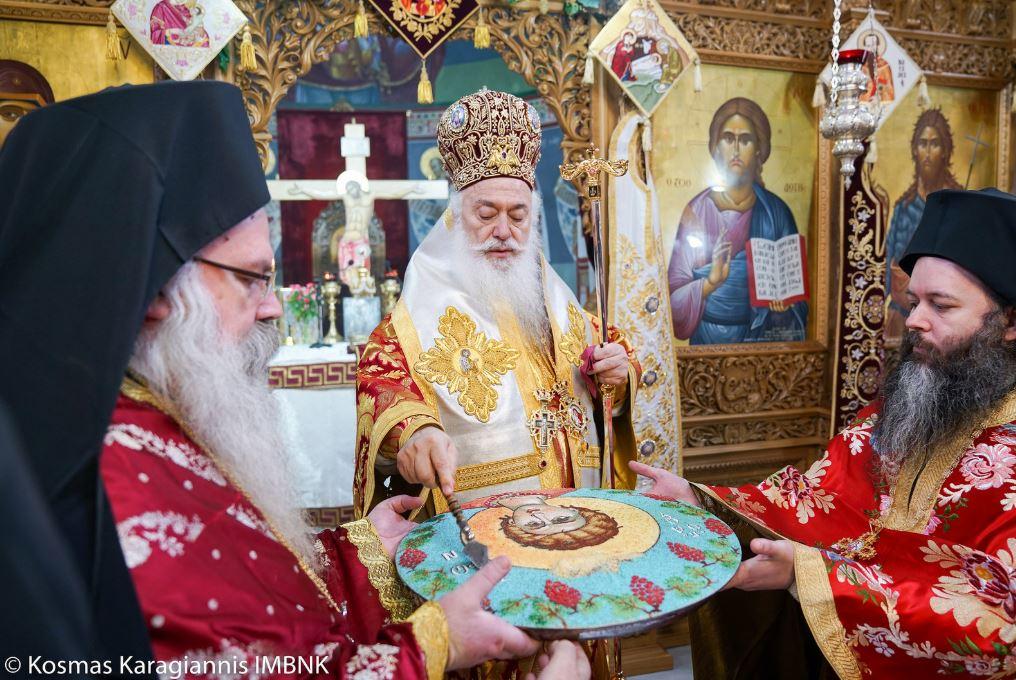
(590, 168)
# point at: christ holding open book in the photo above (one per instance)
(714, 295)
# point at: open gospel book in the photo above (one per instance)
(777, 270)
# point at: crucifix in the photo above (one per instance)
(543, 423)
(358, 194)
(976, 139)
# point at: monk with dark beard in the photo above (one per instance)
(900, 542)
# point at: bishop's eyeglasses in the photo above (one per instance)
(260, 284)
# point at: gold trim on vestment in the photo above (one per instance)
(573, 343)
(409, 341)
(758, 526)
(816, 597)
(912, 511)
(395, 597)
(531, 374)
(469, 477)
(430, 628)
(589, 458)
(388, 419)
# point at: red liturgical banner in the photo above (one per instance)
(777, 270)
(425, 24)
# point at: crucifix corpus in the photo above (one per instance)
(590, 168)
(357, 194)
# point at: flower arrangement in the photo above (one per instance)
(303, 302)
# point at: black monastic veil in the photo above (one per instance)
(102, 199)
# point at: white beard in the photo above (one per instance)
(515, 284)
(220, 387)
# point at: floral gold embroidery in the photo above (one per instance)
(574, 341)
(468, 362)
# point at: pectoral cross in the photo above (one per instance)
(543, 423)
(976, 139)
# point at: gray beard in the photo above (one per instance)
(220, 388)
(927, 402)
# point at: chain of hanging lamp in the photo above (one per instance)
(847, 120)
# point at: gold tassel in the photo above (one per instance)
(424, 91)
(544, 6)
(872, 156)
(247, 60)
(923, 98)
(360, 22)
(481, 34)
(818, 98)
(697, 75)
(114, 50)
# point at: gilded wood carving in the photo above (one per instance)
(547, 50)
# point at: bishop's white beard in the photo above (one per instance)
(220, 387)
(515, 284)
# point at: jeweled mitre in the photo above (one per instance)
(489, 134)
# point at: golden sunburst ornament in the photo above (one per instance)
(468, 362)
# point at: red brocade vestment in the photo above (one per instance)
(939, 596)
(222, 596)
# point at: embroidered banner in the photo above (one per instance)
(860, 354)
(182, 37)
(644, 52)
(425, 24)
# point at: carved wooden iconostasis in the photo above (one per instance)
(747, 408)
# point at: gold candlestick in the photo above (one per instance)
(331, 290)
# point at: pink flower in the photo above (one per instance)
(992, 582)
(933, 524)
(987, 466)
(794, 486)
(884, 503)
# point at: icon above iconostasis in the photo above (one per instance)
(644, 52)
(182, 36)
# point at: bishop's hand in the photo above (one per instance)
(610, 364)
(429, 458)
(389, 525)
(772, 568)
(474, 634)
(666, 483)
